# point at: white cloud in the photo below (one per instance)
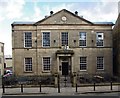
(37, 13)
(11, 8)
(98, 11)
(56, 8)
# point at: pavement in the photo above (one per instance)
(51, 91)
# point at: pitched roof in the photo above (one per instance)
(67, 12)
(35, 23)
(103, 23)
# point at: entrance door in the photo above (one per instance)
(64, 68)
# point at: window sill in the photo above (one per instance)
(82, 46)
(28, 71)
(83, 70)
(100, 69)
(46, 71)
(27, 47)
(99, 46)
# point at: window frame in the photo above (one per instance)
(101, 40)
(65, 39)
(27, 65)
(82, 63)
(29, 40)
(0, 60)
(99, 65)
(83, 40)
(2, 49)
(47, 65)
(49, 40)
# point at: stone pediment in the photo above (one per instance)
(64, 17)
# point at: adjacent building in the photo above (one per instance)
(1, 58)
(116, 47)
(62, 43)
(8, 63)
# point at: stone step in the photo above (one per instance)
(63, 79)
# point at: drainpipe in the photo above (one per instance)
(36, 73)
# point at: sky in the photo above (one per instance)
(35, 10)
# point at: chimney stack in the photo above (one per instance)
(51, 12)
(76, 13)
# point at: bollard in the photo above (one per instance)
(94, 86)
(21, 88)
(3, 88)
(40, 86)
(76, 87)
(58, 85)
(111, 85)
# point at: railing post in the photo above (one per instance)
(40, 85)
(94, 86)
(58, 84)
(3, 86)
(111, 85)
(21, 88)
(76, 87)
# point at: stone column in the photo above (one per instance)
(57, 72)
(72, 65)
(56, 79)
(57, 64)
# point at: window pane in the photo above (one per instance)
(0, 60)
(64, 36)
(82, 39)
(28, 39)
(46, 63)
(100, 63)
(2, 50)
(83, 63)
(99, 39)
(28, 64)
(46, 38)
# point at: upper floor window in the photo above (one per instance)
(82, 39)
(2, 50)
(100, 63)
(83, 63)
(46, 63)
(28, 64)
(0, 60)
(28, 39)
(46, 39)
(99, 39)
(64, 36)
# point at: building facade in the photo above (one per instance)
(8, 63)
(1, 58)
(62, 43)
(116, 47)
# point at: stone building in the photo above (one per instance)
(116, 47)
(8, 63)
(1, 58)
(62, 43)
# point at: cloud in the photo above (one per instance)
(97, 11)
(37, 13)
(11, 9)
(92, 11)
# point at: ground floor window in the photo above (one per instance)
(100, 63)
(28, 64)
(83, 63)
(46, 63)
